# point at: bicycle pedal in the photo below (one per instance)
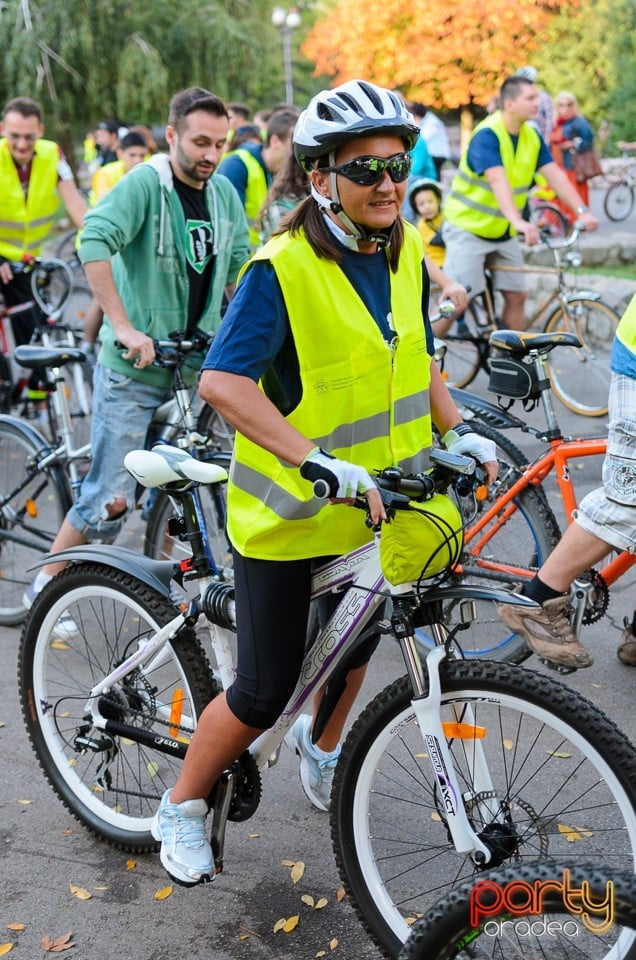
(557, 667)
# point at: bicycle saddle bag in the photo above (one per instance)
(422, 541)
(511, 377)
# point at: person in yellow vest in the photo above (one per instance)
(605, 520)
(483, 213)
(250, 167)
(425, 197)
(337, 298)
(132, 150)
(34, 177)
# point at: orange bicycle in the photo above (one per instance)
(503, 542)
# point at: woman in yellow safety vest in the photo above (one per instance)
(323, 365)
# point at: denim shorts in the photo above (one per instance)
(468, 255)
(123, 409)
(610, 511)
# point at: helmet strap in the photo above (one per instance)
(357, 231)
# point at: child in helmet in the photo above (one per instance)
(426, 200)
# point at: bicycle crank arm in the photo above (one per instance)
(427, 710)
(220, 801)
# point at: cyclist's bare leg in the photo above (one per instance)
(68, 536)
(576, 551)
(218, 740)
(513, 315)
(332, 733)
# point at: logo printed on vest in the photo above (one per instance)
(199, 244)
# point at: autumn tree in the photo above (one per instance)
(447, 53)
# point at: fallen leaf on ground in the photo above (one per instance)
(80, 892)
(248, 933)
(4, 949)
(322, 903)
(131, 864)
(25, 803)
(287, 924)
(297, 871)
(340, 894)
(560, 754)
(308, 899)
(508, 744)
(59, 945)
(333, 943)
(163, 893)
(15, 926)
(288, 863)
(572, 834)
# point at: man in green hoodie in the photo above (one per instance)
(158, 251)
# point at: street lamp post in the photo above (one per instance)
(287, 21)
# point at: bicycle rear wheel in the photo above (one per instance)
(111, 783)
(461, 362)
(563, 787)
(618, 202)
(552, 930)
(529, 534)
(549, 219)
(33, 503)
(580, 377)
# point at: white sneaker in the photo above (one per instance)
(316, 767)
(65, 628)
(185, 850)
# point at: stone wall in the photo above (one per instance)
(597, 251)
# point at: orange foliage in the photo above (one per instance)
(446, 53)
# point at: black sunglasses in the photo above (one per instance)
(367, 171)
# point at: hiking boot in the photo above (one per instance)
(626, 652)
(316, 766)
(547, 631)
(185, 851)
(64, 629)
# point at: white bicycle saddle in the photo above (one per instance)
(165, 464)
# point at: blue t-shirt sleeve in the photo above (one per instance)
(235, 170)
(484, 152)
(254, 327)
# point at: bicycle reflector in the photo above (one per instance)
(422, 541)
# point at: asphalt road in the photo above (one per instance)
(43, 850)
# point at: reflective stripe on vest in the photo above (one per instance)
(255, 193)
(362, 400)
(626, 330)
(25, 223)
(471, 203)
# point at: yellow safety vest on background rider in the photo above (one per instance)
(363, 400)
(255, 193)
(25, 222)
(104, 179)
(626, 330)
(471, 203)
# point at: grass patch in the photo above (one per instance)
(622, 271)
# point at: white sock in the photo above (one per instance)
(41, 580)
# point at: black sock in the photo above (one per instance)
(537, 590)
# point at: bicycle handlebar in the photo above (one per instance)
(173, 352)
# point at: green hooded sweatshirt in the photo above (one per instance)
(140, 226)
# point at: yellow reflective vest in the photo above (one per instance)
(471, 203)
(255, 193)
(104, 179)
(25, 222)
(626, 330)
(363, 400)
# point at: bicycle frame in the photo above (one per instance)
(366, 589)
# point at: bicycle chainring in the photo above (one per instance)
(600, 597)
(246, 794)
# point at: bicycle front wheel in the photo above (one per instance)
(462, 360)
(580, 376)
(561, 785)
(550, 929)
(33, 503)
(618, 202)
(111, 783)
(520, 542)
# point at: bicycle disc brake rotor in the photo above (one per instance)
(505, 836)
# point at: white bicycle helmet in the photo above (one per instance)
(424, 183)
(351, 110)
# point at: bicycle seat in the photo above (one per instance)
(520, 344)
(166, 465)
(36, 358)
